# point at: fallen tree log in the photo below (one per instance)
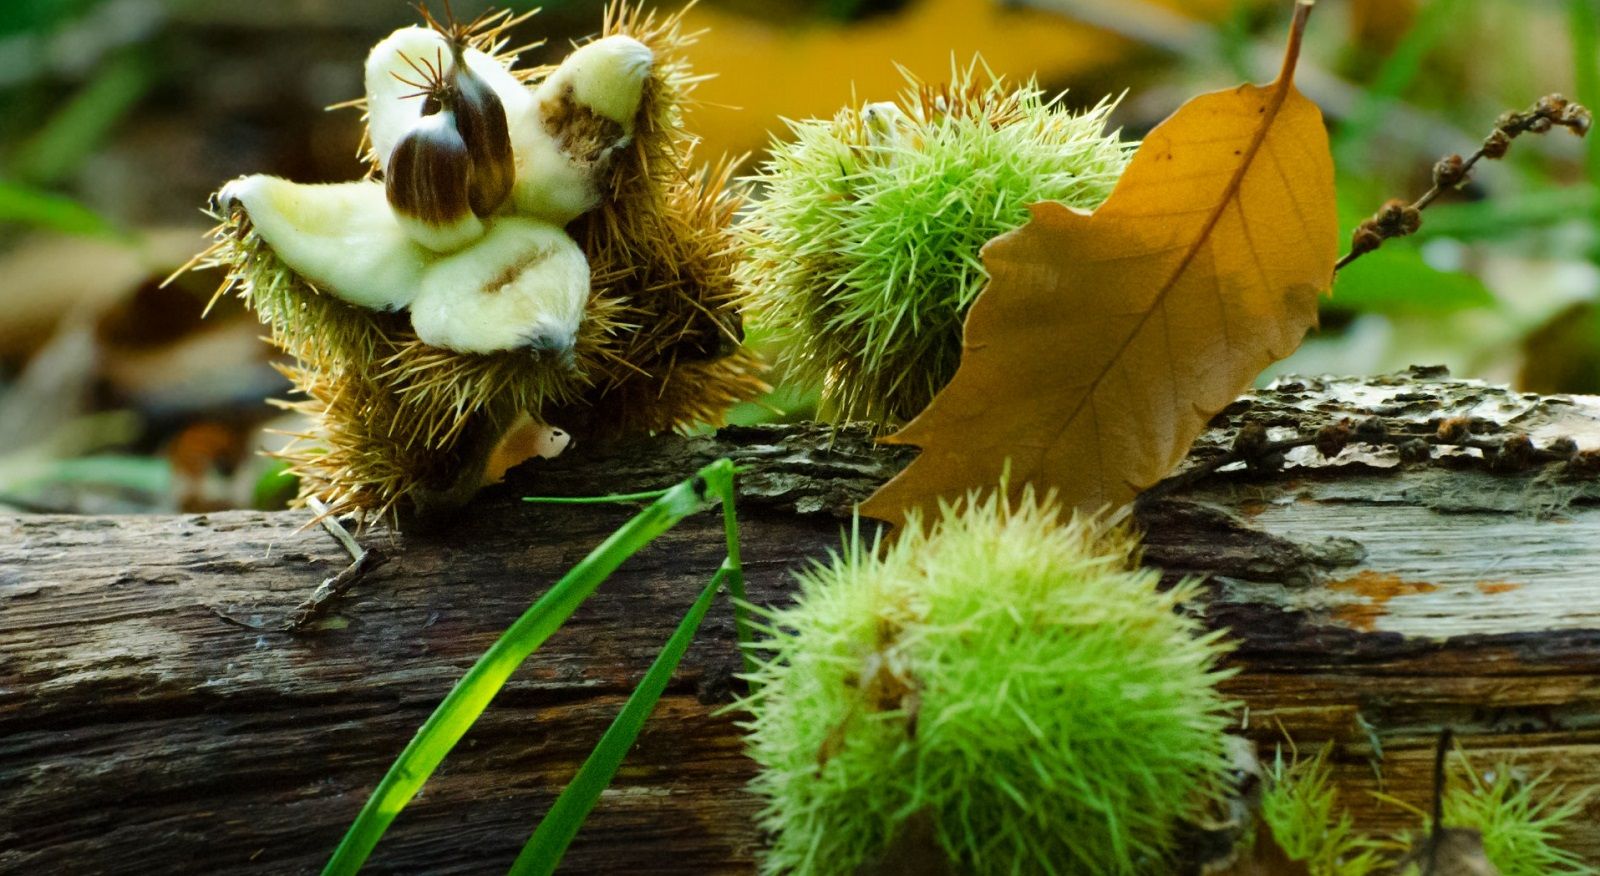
(153, 719)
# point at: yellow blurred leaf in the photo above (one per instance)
(765, 72)
(1378, 25)
(1104, 342)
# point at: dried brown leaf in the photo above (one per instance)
(1105, 341)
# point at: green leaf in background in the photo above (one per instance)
(76, 130)
(1509, 214)
(1585, 30)
(31, 16)
(25, 474)
(275, 488)
(1397, 280)
(788, 402)
(23, 205)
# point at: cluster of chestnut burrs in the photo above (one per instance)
(477, 173)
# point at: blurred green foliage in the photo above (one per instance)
(1481, 254)
(52, 133)
(36, 208)
(1502, 281)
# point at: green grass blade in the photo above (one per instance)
(596, 500)
(467, 700)
(734, 567)
(555, 832)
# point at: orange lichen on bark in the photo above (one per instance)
(1375, 590)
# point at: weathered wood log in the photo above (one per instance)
(145, 727)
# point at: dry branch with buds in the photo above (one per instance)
(1396, 218)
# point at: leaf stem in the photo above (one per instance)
(1297, 32)
(646, 495)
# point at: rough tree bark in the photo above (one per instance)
(146, 728)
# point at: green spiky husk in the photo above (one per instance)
(402, 427)
(864, 256)
(662, 245)
(1063, 714)
(1522, 821)
(1300, 807)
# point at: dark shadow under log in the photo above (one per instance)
(146, 728)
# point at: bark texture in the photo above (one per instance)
(152, 719)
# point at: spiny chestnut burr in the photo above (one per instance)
(990, 683)
(524, 285)
(606, 77)
(342, 237)
(584, 112)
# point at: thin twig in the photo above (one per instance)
(331, 589)
(1398, 219)
(1436, 835)
(335, 528)
(258, 628)
(362, 560)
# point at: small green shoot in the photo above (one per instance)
(735, 578)
(451, 720)
(1520, 822)
(549, 842)
(1300, 805)
(1519, 819)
